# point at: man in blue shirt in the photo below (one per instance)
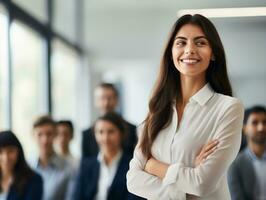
(247, 174)
(53, 169)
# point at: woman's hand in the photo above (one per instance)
(156, 167)
(205, 151)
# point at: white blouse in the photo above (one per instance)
(106, 175)
(207, 116)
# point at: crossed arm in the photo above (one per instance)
(159, 169)
(154, 179)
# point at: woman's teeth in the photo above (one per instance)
(189, 61)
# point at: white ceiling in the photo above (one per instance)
(129, 5)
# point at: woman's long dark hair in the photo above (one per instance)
(22, 173)
(167, 87)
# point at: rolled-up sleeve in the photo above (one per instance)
(144, 184)
(140, 182)
(203, 180)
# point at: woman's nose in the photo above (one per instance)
(190, 49)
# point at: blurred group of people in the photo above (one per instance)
(107, 148)
(46, 176)
(54, 174)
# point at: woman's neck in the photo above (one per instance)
(109, 156)
(189, 87)
(6, 174)
(6, 180)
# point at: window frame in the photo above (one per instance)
(45, 29)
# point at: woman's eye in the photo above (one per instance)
(180, 43)
(255, 123)
(201, 43)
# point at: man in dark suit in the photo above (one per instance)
(247, 174)
(106, 100)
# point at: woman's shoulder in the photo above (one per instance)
(88, 162)
(228, 101)
(34, 185)
(36, 179)
(228, 106)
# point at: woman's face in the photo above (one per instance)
(8, 158)
(191, 51)
(108, 136)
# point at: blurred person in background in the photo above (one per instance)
(54, 169)
(106, 100)
(247, 174)
(64, 135)
(103, 177)
(18, 180)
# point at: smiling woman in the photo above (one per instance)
(191, 51)
(192, 132)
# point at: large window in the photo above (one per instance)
(65, 19)
(65, 65)
(27, 50)
(37, 8)
(3, 69)
(39, 62)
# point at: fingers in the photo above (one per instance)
(208, 148)
(210, 151)
(210, 145)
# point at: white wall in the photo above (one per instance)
(245, 46)
(251, 90)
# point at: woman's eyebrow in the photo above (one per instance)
(196, 38)
(200, 37)
(180, 37)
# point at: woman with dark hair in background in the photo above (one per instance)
(18, 181)
(192, 132)
(104, 177)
